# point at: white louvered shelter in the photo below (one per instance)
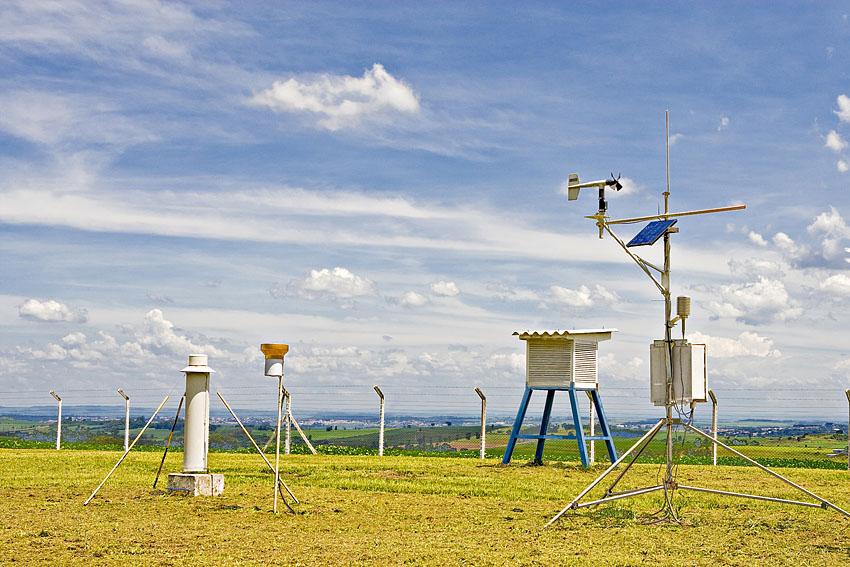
(560, 359)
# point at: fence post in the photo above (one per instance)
(126, 418)
(483, 421)
(287, 443)
(58, 420)
(381, 426)
(847, 393)
(713, 426)
(592, 423)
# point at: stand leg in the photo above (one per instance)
(649, 434)
(582, 448)
(825, 503)
(544, 427)
(520, 416)
(168, 443)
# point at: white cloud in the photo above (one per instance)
(582, 297)
(445, 289)
(747, 343)
(341, 101)
(412, 299)
(158, 335)
(752, 268)
(50, 311)
(755, 303)
(842, 166)
(834, 141)
(617, 370)
(724, 123)
(837, 284)
(788, 247)
(674, 138)
(843, 112)
(832, 229)
(757, 239)
(572, 297)
(338, 284)
(513, 362)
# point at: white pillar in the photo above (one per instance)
(381, 419)
(126, 418)
(196, 433)
(713, 426)
(58, 419)
(482, 450)
(287, 442)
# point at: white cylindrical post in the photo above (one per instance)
(196, 433)
(713, 427)
(58, 419)
(287, 442)
(483, 449)
(126, 418)
(381, 422)
(592, 420)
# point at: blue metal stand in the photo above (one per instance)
(579, 436)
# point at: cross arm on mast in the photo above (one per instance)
(679, 214)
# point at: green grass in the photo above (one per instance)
(398, 510)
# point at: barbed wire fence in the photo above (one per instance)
(790, 427)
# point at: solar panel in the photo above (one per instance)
(650, 234)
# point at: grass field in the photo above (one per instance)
(398, 510)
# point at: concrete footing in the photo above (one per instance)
(196, 484)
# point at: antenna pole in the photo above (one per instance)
(667, 145)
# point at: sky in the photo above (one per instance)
(382, 187)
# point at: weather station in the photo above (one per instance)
(678, 368)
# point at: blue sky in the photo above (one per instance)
(381, 187)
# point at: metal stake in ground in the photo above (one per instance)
(380, 421)
(126, 417)
(58, 419)
(483, 448)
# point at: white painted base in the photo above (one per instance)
(196, 484)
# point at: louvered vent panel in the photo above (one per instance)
(586, 362)
(549, 362)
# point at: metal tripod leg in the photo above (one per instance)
(646, 442)
(168, 443)
(600, 478)
(824, 503)
(254, 443)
